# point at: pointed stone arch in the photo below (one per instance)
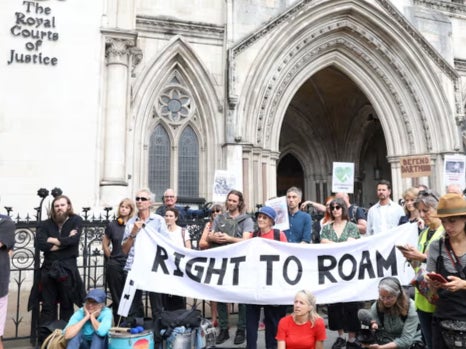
(391, 65)
(178, 64)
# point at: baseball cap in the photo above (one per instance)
(97, 295)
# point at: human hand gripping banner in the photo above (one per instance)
(263, 271)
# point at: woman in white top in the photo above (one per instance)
(178, 234)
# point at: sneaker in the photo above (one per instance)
(239, 337)
(340, 343)
(222, 336)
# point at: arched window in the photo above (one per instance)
(159, 161)
(188, 164)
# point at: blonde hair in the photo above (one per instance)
(310, 300)
(130, 203)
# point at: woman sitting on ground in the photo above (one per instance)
(393, 316)
(304, 328)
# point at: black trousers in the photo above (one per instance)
(115, 277)
(272, 315)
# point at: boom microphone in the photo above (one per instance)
(365, 317)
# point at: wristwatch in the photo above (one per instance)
(132, 236)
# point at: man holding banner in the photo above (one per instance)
(230, 227)
(152, 224)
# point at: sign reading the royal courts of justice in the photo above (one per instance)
(415, 166)
(36, 24)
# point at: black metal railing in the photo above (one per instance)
(23, 315)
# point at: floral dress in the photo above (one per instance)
(349, 231)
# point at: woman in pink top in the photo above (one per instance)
(304, 328)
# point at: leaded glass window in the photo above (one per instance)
(188, 164)
(159, 161)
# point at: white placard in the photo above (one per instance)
(454, 170)
(343, 177)
(224, 181)
(281, 208)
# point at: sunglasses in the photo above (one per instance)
(217, 211)
(336, 207)
(141, 198)
(428, 193)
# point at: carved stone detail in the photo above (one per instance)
(422, 42)
(175, 102)
(136, 58)
(285, 74)
(184, 28)
(460, 65)
(451, 8)
(269, 26)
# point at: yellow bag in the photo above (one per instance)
(56, 340)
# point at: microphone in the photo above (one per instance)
(365, 317)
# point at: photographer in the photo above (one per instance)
(393, 318)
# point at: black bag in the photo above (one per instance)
(182, 317)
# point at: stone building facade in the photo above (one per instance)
(161, 94)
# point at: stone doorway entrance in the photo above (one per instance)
(328, 120)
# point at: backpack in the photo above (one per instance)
(230, 225)
(354, 211)
(56, 340)
(276, 234)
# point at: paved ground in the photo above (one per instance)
(331, 337)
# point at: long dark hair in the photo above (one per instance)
(344, 208)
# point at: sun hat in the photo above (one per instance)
(268, 211)
(97, 295)
(451, 205)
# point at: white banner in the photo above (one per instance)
(263, 271)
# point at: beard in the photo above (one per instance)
(60, 217)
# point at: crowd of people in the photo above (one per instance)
(398, 320)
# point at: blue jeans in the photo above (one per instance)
(79, 342)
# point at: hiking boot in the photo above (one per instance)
(222, 336)
(340, 343)
(239, 337)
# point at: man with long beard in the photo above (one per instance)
(60, 282)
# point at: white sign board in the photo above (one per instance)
(224, 181)
(454, 170)
(343, 177)
(281, 209)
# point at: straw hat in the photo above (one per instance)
(451, 205)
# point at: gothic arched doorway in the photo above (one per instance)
(289, 174)
(328, 120)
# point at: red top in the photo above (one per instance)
(300, 336)
(269, 235)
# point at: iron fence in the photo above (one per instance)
(26, 260)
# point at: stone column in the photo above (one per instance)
(118, 53)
